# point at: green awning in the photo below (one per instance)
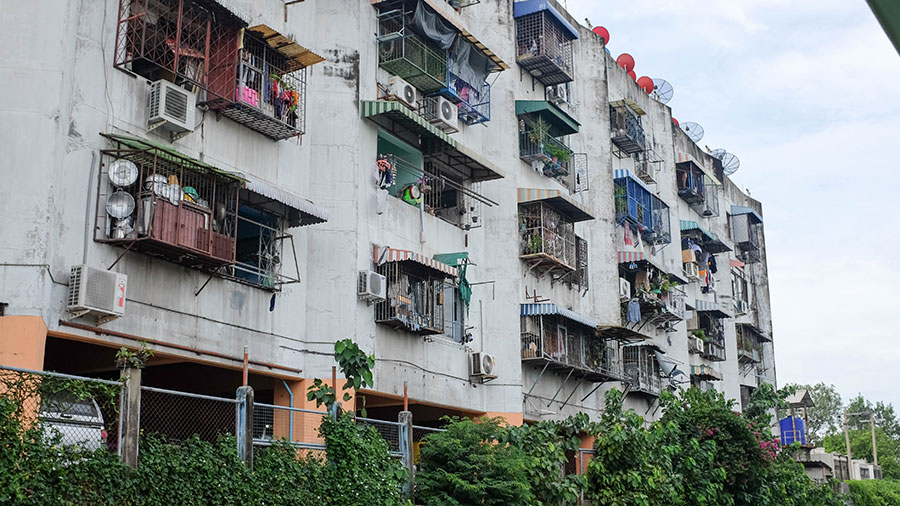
(708, 240)
(454, 259)
(435, 144)
(169, 154)
(560, 122)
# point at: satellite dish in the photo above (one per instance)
(626, 61)
(693, 130)
(663, 90)
(730, 162)
(603, 33)
(646, 84)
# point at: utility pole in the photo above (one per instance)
(847, 439)
(874, 444)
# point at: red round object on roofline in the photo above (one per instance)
(646, 83)
(632, 75)
(626, 61)
(603, 33)
(676, 122)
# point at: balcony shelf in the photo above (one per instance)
(626, 131)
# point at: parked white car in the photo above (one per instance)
(78, 421)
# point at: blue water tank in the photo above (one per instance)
(792, 431)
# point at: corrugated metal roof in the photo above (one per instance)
(170, 154)
(736, 210)
(557, 199)
(562, 123)
(307, 213)
(297, 56)
(553, 309)
(386, 254)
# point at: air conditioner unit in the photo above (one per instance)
(697, 344)
(446, 115)
(371, 286)
(624, 289)
(740, 306)
(171, 107)
(483, 365)
(692, 270)
(402, 90)
(557, 94)
(96, 291)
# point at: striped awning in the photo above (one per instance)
(736, 263)
(630, 256)
(713, 308)
(299, 211)
(553, 309)
(737, 210)
(709, 240)
(556, 199)
(436, 144)
(706, 372)
(384, 255)
(620, 173)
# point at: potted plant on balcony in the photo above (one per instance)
(540, 129)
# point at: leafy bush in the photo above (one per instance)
(464, 465)
(875, 492)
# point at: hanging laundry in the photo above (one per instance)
(633, 312)
(627, 235)
(712, 264)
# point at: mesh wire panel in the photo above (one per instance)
(281, 423)
(390, 431)
(176, 416)
(68, 411)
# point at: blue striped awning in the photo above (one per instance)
(735, 210)
(299, 212)
(620, 173)
(553, 309)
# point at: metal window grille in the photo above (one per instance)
(627, 133)
(555, 156)
(580, 175)
(745, 233)
(183, 212)
(581, 260)
(642, 369)
(415, 298)
(546, 233)
(474, 100)
(544, 49)
(690, 180)
(636, 204)
(173, 39)
(405, 55)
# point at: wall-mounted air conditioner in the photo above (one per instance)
(446, 115)
(624, 289)
(692, 270)
(483, 365)
(371, 286)
(96, 292)
(402, 91)
(557, 94)
(740, 306)
(170, 107)
(696, 344)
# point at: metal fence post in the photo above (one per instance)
(405, 418)
(244, 424)
(130, 416)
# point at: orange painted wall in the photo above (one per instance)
(510, 418)
(22, 340)
(306, 425)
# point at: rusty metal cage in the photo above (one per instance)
(415, 298)
(178, 40)
(642, 369)
(261, 88)
(176, 207)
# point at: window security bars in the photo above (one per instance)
(543, 49)
(642, 369)
(643, 209)
(404, 54)
(566, 345)
(546, 235)
(553, 154)
(626, 131)
(415, 299)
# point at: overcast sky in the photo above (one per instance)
(807, 95)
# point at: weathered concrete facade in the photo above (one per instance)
(193, 316)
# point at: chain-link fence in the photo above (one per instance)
(295, 426)
(176, 416)
(388, 430)
(66, 410)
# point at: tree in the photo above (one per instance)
(825, 417)
(863, 410)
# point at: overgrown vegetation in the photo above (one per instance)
(875, 492)
(701, 452)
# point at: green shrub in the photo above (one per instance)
(875, 492)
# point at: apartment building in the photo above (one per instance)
(474, 191)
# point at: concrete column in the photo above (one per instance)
(244, 424)
(406, 449)
(130, 417)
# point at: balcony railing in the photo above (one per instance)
(642, 370)
(414, 300)
(545, 149)
(473, 101)
(626, 131)
(587, 356)
(714, 350)
(404, 54)
(546, 235)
